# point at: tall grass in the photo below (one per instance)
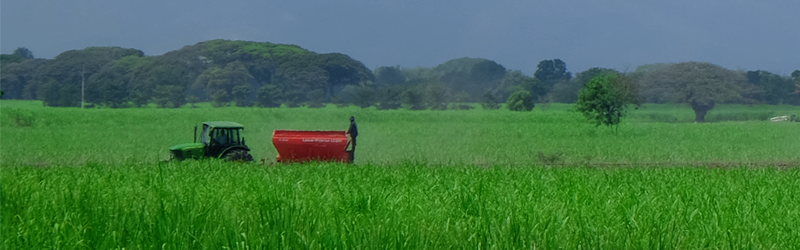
(213, 204)
(475, 137)
(96, 179)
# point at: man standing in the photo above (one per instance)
(353, 133)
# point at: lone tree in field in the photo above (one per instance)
(606, 97)
(699, 84)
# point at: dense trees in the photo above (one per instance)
(389, 75)
(15, 79)
(796, 79)
(222, 72)
(773, 88)
(224, 85)
(450, 85)
(60, 81)
(19, 55)
(242, 73)
(549, 73)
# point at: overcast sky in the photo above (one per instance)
(619, 34)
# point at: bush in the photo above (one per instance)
(489, 101)
(606, 97)
(520, 101)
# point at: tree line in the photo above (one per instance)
(242, 73)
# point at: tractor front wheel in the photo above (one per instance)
(238, 155)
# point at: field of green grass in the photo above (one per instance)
(546, 179)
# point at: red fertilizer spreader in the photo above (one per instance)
(303, 146)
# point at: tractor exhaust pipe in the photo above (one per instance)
(195, 133)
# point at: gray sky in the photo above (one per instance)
(619, 34)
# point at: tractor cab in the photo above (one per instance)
(219, 136)
(218, 140)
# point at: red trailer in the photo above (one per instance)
(302, 146)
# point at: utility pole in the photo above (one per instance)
(82, 84)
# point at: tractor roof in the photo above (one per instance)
(223, 125)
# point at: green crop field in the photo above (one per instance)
(546, 179)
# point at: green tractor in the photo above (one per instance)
(218, 140)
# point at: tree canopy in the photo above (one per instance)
(606, 97)
(550, 73)
(221, 71)
(245, 73)
(701, 85)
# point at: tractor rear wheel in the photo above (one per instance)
(238, 155)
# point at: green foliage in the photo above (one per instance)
(464, 64)
(163, 81)
(111, 87)
(549, 73)
(567, 91)
(268, 96)
(413, 99)
(520, 101)
(242, 48)
(117, 77)
(16, 79)
(9, 59)
(435, 96)
(19, 55)
(487, 71)
(315, 98)
(225, 85)
(132, 62)
(23, 53)
(606, 97)
(389, 98)
(489, 101)
(55, 94)
(342, 70)
(224, 72)
(364, 96)
(272, 50)
(361, 96)
(701, 85)
(389, 75)
(191, 99)
(169, 96)
(58, 82)
(461, 101)
(512, 82)
(470, 75)
(300, 76)
(772, 88)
